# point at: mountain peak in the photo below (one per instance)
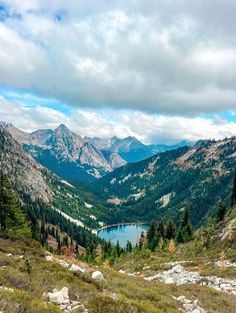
(62, 127)
(6, 125)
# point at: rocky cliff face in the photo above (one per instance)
(32, 182)
(26, 175)
(128, 149)
(63, 152)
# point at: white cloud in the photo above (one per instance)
(107, 123)
(154, 56)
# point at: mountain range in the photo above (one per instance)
(86, 159)
(43, 190)
(161, 186)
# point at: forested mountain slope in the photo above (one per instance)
(42, 190)
(161, 185)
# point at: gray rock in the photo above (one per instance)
(76, 269)
(97, 276)
(169, 280)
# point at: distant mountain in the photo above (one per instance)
(161, 185)
(75, 158)
(130, 149)
(47, 193)
(64, 152)
(161, 148)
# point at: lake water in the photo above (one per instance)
(123, 233)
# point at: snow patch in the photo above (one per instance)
(77, 222)
(87, 205)
(125, 179)
(113, 181)
(66, 183)
(137, 196)
(165, 199)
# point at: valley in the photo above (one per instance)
(117, 156)
(68, 259)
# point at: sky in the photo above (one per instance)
(160, 70)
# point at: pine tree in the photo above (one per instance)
(221, 212)
(233, 195)
(185, 218)
(13, 222)
(118, 248)
(154, 243)
(151, 232)
(179, 236)
(170, 229)
(142, 240)
(185, 231)
(161, 229)
(129, 246)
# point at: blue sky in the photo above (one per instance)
(162, 70)
(27, 99)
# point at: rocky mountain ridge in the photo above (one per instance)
(130, 149)
(25, 174)
(75, 158)
(32, 181)
(161, 185)
(63, 152)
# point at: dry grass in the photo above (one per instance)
(119, 293)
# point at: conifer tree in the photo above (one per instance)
(170, 229)
(233, 195)
(118, 248)
(185, 217)
(185, 231)
(161, 229)
(151, 232)
(153, 244)
(129, 246)
(142, 240)
(221, 212)
(13, 222)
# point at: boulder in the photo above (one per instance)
(76, 269)
(56, 297)
(97, 276)
(64, 291)
(49, 258)
(59, 297)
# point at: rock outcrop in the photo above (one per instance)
(190, 306)
(61, 298)
(179, 276)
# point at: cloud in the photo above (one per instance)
(160, 57)
(109, 122)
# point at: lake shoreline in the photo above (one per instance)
(121, 224)
(129, 231)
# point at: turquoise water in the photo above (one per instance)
(123, 233)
